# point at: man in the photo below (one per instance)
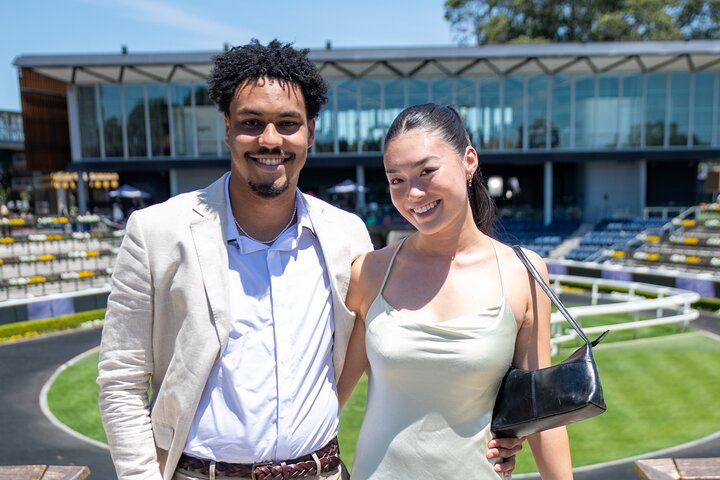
(228, 302)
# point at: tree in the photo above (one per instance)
(700, 19)
(542, 21)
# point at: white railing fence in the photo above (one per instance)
(670, 305)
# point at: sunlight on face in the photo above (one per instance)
(427, 180)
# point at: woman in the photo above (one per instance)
(441, 316)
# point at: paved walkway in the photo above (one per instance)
(29, 438)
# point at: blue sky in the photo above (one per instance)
(103, 26)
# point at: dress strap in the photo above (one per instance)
(497, 261)
(392, 260)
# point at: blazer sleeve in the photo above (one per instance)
(126, 360)
(361, 240)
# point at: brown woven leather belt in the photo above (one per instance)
(302, 467)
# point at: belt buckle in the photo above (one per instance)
(254, 466)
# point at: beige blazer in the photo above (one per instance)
(168, 320)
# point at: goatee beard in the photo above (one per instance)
(269, 190)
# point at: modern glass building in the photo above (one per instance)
(11, 149)
(579, 131)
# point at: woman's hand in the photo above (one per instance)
(504, 449)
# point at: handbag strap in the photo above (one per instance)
(550, 293)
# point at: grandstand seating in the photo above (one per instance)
(529, 233)
(61, 254)
(612, 234)
(45, 255)
(533, 234)
(691, 242)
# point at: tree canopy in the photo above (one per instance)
(544, 21)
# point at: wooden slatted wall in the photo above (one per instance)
(45, 122)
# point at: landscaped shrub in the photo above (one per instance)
(30, 328)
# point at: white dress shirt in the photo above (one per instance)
(272, 395)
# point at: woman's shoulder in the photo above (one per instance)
(520, 285)
(374, 263)
(510, 261)
(366, 278)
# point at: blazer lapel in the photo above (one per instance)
(335, 247)
(208, 231)
(335, 250)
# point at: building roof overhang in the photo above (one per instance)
(534, 59)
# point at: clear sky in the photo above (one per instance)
(103, 26)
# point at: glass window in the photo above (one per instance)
(606, 114)
(159, 125)
(11, 128)
(679, 108)
(466, 102)
(394, 101)
(89, 129)
(513, 112)
(441, 90)
(417, 91)
(182, 120)
(490, 114)
(324, 128)
(655, 110)
(561, 104)
(631, 111)
(537, 112)
(716, 119)
(207, 122)
(347, 116)
(112, 120)
(703, 115)
(371, 130)
(584, 112)
(135, 120)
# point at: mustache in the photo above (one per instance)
(268, 151)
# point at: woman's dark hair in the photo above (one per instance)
(277, 60)
(445, 122)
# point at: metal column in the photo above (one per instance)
(360, 180)
(642, 187)
(82, 193)
(548, 194)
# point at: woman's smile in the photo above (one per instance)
(426, 207)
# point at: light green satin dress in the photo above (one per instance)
(431, 392)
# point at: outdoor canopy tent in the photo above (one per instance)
(347, 186)
(128, 191)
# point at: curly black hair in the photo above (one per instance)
(277, 60)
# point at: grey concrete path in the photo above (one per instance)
(708, 322)
(26, 436)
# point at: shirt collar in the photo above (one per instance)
(287, 240)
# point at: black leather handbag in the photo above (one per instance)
(532, 401)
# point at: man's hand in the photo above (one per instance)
(505, 449)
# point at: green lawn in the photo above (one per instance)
(73, 398)
(658, 393)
